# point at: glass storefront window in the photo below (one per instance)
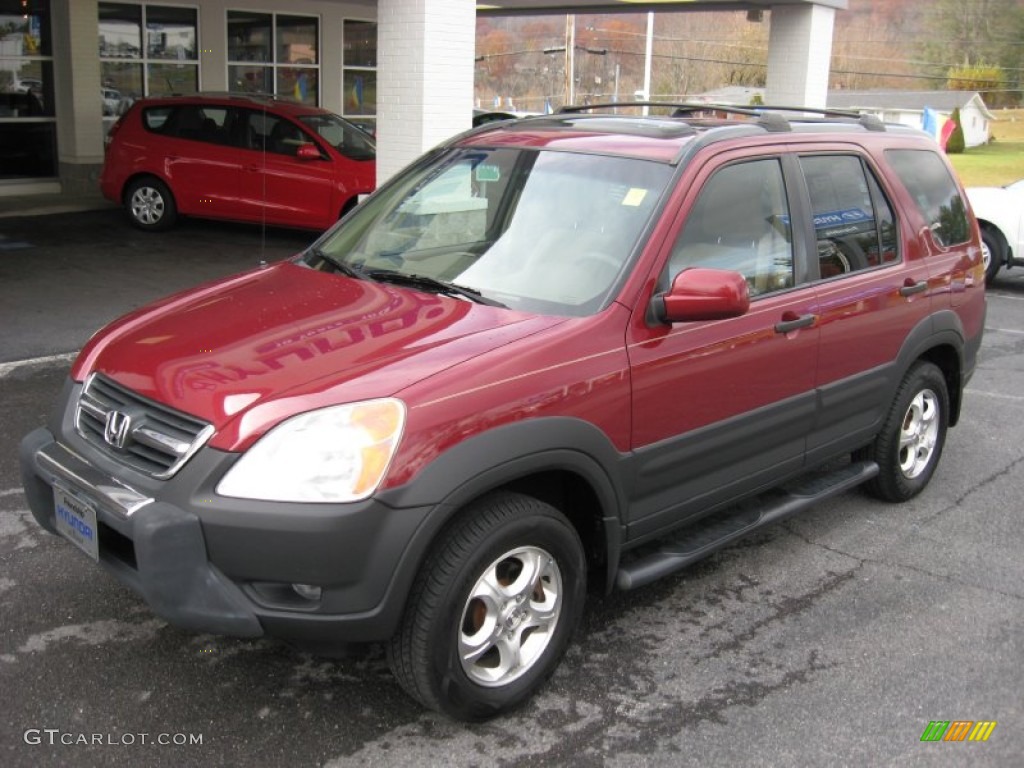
(122, 84)
(171, 33)
(360, 92)
(250, 79)
(120, 30)
(287, 45)
(360, 43)
(28, 129)
(25, 28)
(249, 36)
(296, 40)
(26, 88)
(166, 79)
(298, 84)
(359, 77)
(28, 150)
(133, 64)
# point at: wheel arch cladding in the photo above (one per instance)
(939, 339)
(568, 463)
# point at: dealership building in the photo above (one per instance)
(404, 68)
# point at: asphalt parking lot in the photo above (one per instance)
(830, 639)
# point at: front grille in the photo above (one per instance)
(136, 431)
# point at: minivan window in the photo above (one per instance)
(188, 121)
(853, 223)
(351, 141)
(929, 182)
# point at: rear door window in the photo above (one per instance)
(930, 184)
(854, 224)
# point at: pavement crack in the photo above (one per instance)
(783, 608)
(898, 565)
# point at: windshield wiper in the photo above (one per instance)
(346, 269)
(432, 284)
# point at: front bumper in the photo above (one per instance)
(227, 566)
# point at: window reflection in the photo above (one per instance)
(249, 36)
(359, 77)
(172, 78)
(25, 28)
(250, 79)
(360, 92)
(296, 40)
(298, 84)
(120, 30)
(171, 33)
(289, 45)
(360, 44)
(28, 131)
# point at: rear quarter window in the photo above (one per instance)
(154, 118)
(933, 189)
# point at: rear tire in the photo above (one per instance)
(493, 610)
(910, 443)
(150, 204)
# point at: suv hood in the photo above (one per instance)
(246, 352)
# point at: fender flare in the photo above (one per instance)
(507, 453)
(940, 329)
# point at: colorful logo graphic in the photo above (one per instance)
(958, 730)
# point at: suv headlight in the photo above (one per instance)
(335, 454)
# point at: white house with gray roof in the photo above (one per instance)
(907, 108)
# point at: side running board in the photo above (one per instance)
(716, 531)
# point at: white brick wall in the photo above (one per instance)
(424, 77)
(799, 53)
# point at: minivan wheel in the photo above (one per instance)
(908, 448)
(493, 610)
(150, 204)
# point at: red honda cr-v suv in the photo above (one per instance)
(558, 352)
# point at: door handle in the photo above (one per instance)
(910, 287)
(791, 322)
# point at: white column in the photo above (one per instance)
(799, 55)
(424, 77)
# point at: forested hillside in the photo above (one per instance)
(956, 44)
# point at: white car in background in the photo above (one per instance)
(1000, 213)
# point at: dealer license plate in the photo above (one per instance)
(76, 521)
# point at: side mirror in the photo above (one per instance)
(702, 294)
(307, 152)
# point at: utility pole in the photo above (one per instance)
(570, 59)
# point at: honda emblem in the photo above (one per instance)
(117, 429)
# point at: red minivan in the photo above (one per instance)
(236, 157)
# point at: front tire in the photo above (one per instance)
(150, 204)
(493, 610)
(913, 434)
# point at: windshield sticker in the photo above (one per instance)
(635, 196)
(488, 173)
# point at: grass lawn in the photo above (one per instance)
(998, 162)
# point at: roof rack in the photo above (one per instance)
(250, 95)
(767, 115)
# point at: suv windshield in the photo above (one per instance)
(539, 231)
(350, 140)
